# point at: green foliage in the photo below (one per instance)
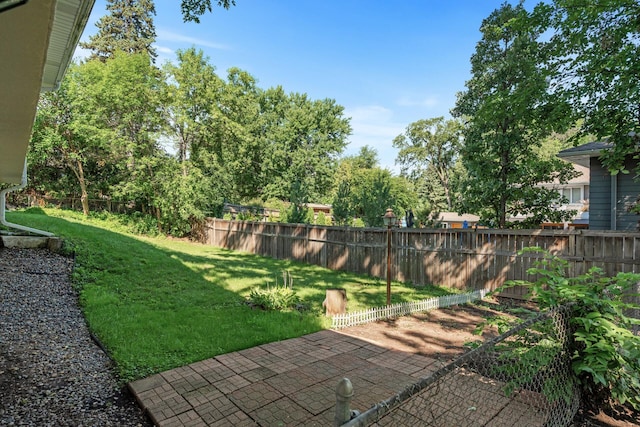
(159, 303)
(607, 354)
(127, 28)
(300, 153)
(322, 219)
(193, 9)
(297, 212)
(342, 204)
(595, 54)
(358, 222)
(139, 223)
(364, 190)
(103, 136)
(509, 111)
(276, 297)
(431, 145)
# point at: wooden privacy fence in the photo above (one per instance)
(459, 258)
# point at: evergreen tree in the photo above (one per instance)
(127, 28)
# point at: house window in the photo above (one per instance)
(575, 194)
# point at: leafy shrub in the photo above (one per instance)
(358, 222)
(606, 356)
(275, 297)
(322, 219)
(139, 223)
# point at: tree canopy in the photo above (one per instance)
(193, 9)
(128, 27)
(431, 146)
(596, 58)
(508, 111)
(178, 143)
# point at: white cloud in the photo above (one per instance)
(164, 50)
(171, 36)
(374, 125)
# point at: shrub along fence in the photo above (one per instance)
(458, 258)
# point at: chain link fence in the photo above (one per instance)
(522, 377)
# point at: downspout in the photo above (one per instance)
(614, 201)
(3, 206)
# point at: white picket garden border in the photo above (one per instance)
(402, 309)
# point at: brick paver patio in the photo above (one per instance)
(285, 383)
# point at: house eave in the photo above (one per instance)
(38, 41)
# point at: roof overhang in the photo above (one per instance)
(582, 154)
(37, 41)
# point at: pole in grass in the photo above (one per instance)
(389, 219)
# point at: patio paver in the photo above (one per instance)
(286, 383)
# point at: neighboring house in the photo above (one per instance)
(610, 196)
(37, 41)
(576, 191)
(319, 207)
(454, 220)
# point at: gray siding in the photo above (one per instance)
(628, 191)
(599, 197)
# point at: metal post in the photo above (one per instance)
(389, 265)
(344, 394)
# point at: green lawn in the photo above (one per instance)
(158, 303)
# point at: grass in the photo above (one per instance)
(158, 303)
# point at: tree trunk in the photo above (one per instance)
(84, 198)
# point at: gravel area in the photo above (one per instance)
(51, 372)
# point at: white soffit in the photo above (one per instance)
(37, 41)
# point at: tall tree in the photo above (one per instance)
(367, 158)
(238, 148)
(597, 60)
(434, 145)
(191, 92)
(127, 28)
(364, 190)
(509, 112)
(305, 148)
(60, 142)
(120, 101)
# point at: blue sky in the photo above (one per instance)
(387, 63)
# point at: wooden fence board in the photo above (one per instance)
(463, 259)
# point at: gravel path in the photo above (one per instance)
(51, 372)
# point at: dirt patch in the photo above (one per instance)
(440, 334)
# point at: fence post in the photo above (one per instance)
(344, 393)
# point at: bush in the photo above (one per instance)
(322, 219)
(358, 222)
(275, 297)
(606, 357)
